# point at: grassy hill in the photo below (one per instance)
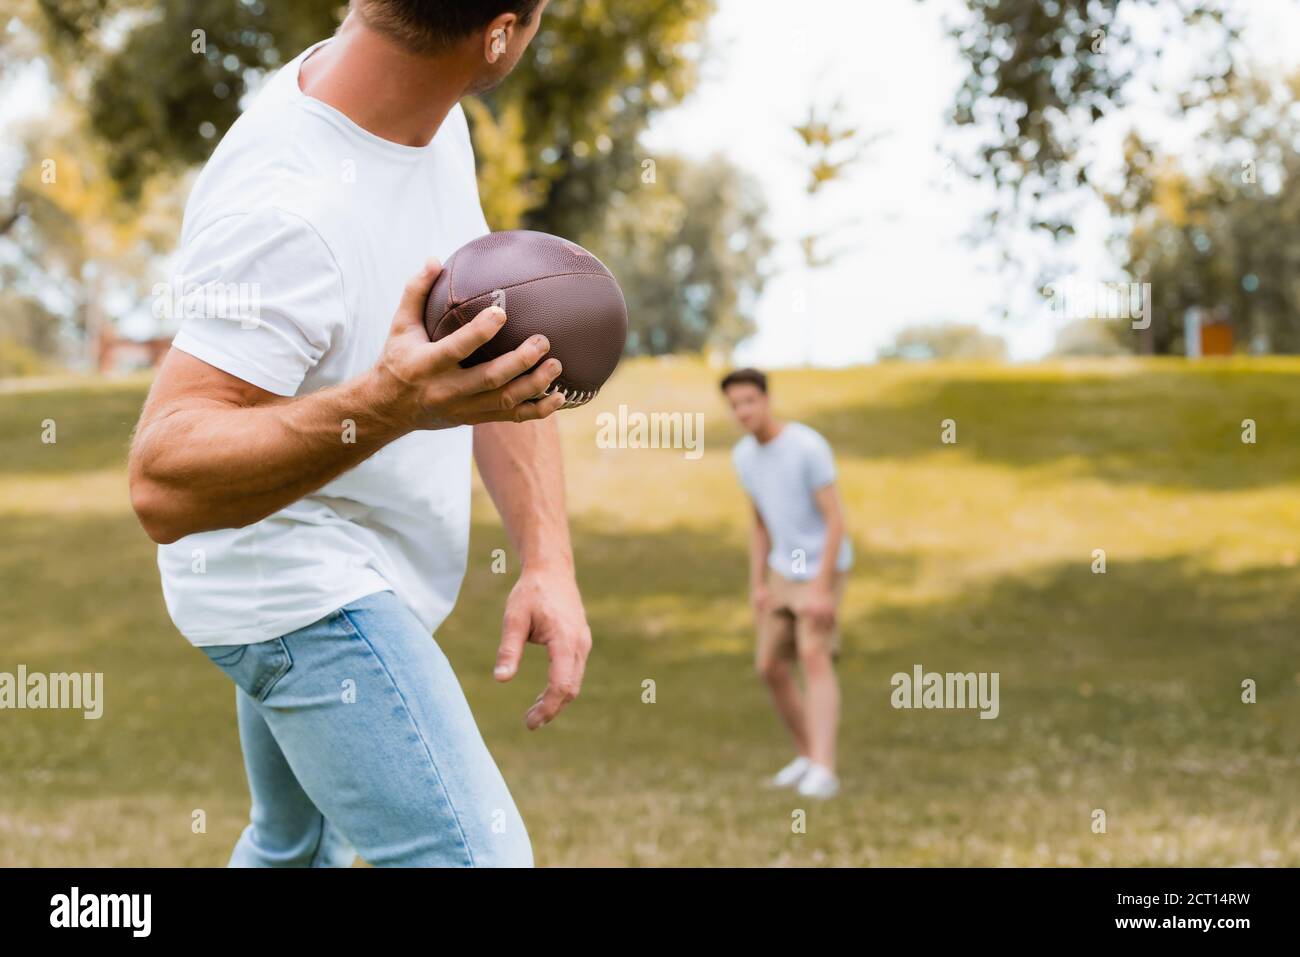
(1119, 691)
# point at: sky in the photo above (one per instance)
(896, 70)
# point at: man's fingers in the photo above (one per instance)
(517, 401)
(540, 409)
(501, 370)
(545, 708)
(561, 688)
(527, 411)
(514, 634)
(462, 343)
(410, 312)
(502, 389)
(580, 654)
(520, 390)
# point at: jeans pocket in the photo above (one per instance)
(255, 668)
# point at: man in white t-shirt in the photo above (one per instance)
(799, 555)
(303, 458)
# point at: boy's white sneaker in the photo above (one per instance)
(818, 782)
(790, 775)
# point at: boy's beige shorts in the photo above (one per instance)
(783, 629)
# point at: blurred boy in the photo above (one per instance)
(798, 557)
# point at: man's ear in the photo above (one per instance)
(496, 40)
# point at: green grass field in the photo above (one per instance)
(1119, 692)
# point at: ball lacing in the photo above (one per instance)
(573, 397)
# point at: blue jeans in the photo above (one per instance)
(356, 734)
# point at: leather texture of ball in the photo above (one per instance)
(546, 285)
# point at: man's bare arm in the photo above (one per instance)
(212, 451)
(523, 471)
(828, 503)
(760, 545)
(522, 468)
(821, 603)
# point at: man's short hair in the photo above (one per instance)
(432, 26)
(745, 377)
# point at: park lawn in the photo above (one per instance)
(1120, 692)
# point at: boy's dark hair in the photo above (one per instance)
(745, 377)
(431, 26)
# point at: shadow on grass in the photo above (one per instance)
(679, 562)
(82, 595)
(92, 428)
(1130, 680)
(1181, 429)
(1152, 654)
(1152, 651)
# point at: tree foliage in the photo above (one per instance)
(162, 80)
(74, 241)
(1223, 235)
(831, 147)
(1041, 73)
(1094, 337)
(596, 73)
(690, 251)
(158, 82)
(946, 340)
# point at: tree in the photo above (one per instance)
(1223, 234)
(166, 78)
(20, 46)
(79, 243)
(162, 80)
(558, 144)
(946, 340)
(596, 73)
(28, 333)
(1093, 337)
(831, 147)
(689, 249)
(1040, 73)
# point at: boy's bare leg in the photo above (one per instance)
(822, 705)
(778, 674)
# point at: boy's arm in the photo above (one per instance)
(821, 603)
(760, 545)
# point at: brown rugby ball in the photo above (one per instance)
(545, 284)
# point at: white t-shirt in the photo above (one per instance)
(312, 226)
(782, 477)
